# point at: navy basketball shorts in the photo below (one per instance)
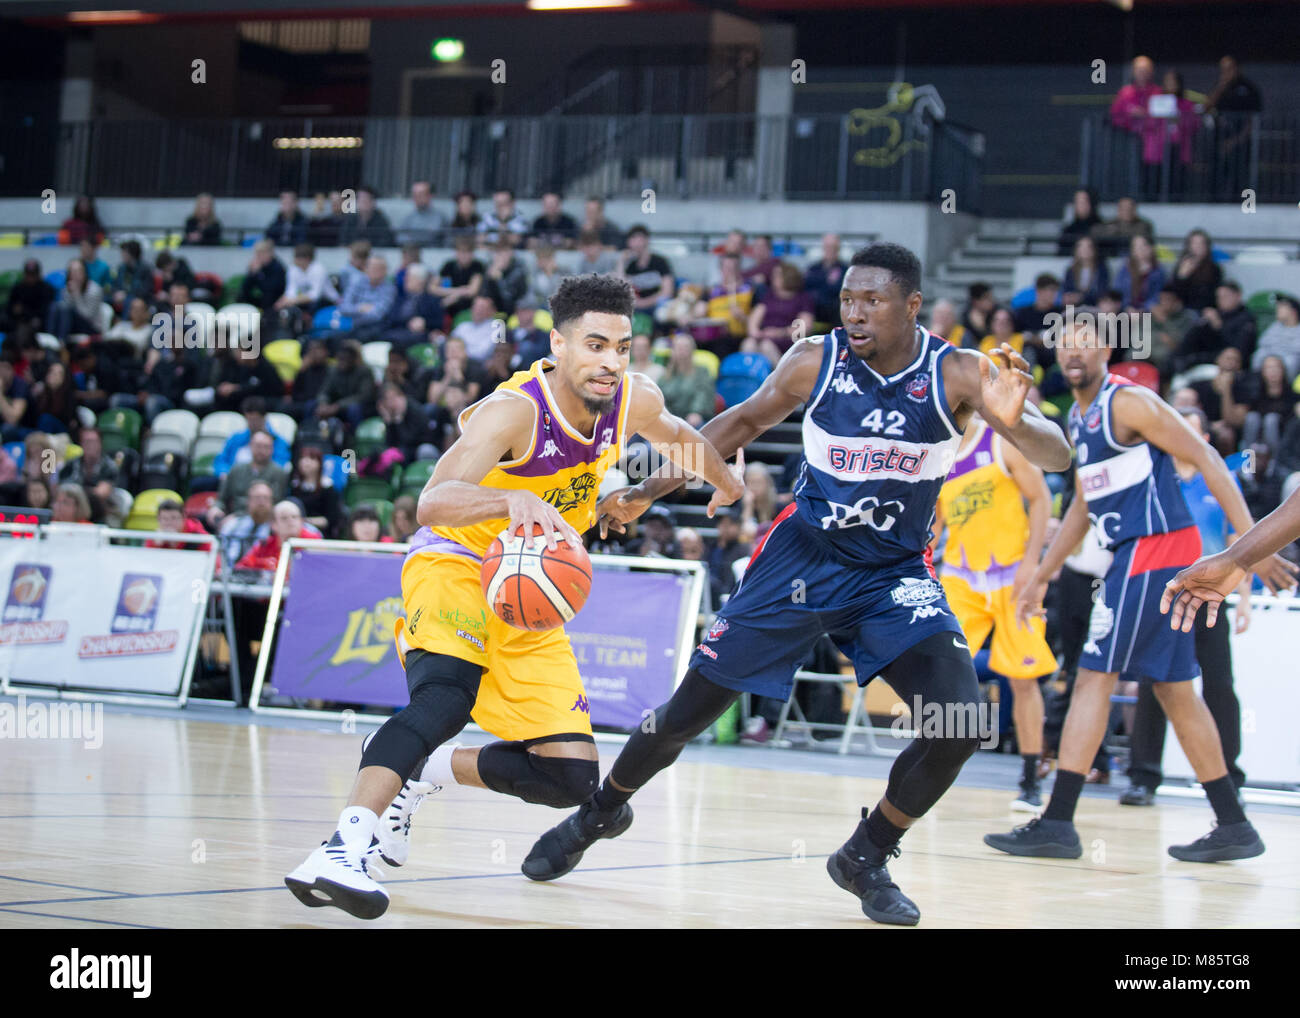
(794, 590)
(1126, 632)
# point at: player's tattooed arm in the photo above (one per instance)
(997, 389)
(500, 428)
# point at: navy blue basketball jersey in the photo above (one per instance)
(876, 451)
(1132, 491)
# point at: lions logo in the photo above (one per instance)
(579, 491)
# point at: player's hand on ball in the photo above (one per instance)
(529, 511)
(1029, 605)
(737, 490)
(1206, 582)
(1004, 395)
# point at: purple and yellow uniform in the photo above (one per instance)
(988, 529)
(530, 686)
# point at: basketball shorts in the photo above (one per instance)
(1126, 632)
(1016, 652)
(794, 590)
(530, 686)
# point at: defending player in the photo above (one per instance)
(1125, 437)
(992, 550)
(532, 453)
(886, 403)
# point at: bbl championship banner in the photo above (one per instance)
(336, 636)
(84, 614)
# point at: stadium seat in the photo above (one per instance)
(197, 504)
(144, 511)
(740, 375)
(333, 467)
(415, 476)
(166, 471)
(1022, 298)
(204, 313)
(49, 342)
(283, 425)
(422, 355)
(367, 489)
(708, 360)
(382, 506)
(330, 320)
(172, 431)
(120, 428)
(215, 288)
(214, 429)
(17, 452)
(375, 355)
(56, 279)
(643, 323)
(542, 320)
(1141, 372)
(231, 287)
(201, 466)
(371, 436)
(1263, 305)
(285, 355)
(105, 317)
(127, 462)
(234, 320)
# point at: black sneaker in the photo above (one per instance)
(1030, 799)
(880, 896)
(1051, 839)
(560, 849)
(1137, 795)
(1225, 842)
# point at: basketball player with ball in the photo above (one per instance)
(501, 518)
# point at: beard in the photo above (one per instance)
(596, 407)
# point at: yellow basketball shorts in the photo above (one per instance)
(1017, 653)
(530, 686)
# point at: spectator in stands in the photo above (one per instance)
(40, 458)
(169, 269)
(289, 227)
(1228, 323)
(11, 481)
(1288, 457)
(172, 520)
(309, 382)
(690, 544)
(1084, 221)
(402, 524)
(466, 221)
(595, 258)
(943, 322)
(554, 228)
(96, 268)
(1272, 405)
(424, 224)
(326, 222)
(530, 342)
(658, 534)
(236, 487)
(1233, 92)
(1170, 323)
(407, 437)
(53, 401)
(133, 277)
(651, 275)
(349, 388)
(410, 256)
(237, 448)
(730, 301)
(1129, 110)
(594, 221)
(506, 279)
(30, 299)
(822, 280)
(504, 222)
(735, 243)
(37, 493)
(398, 371)
(729, 548)
(416, 316)
(70, 505)
(450, 386)
(1031, 319)
(1281, 338)
(83, 224)
(265, 281)
(236, 373)
(367, 223)
(203, 228)
(79, 306)
(1140, 279)
(322, 504)
(287, 524)
(1197, 276)
(1227, 395)
(1261, 480)
(1116, 236)
(758, 506)
(369, 301)
(642, 358)
(784, 314)
(1179, 130)
(91, 470)
(365, 525)
(167, 375)
(1086, 277)
(355, 268)
(687, 387)
(546, 275)
(980, 303)
(496, 369)
(13, 403)
(1003, 326)
(760, 274)
(482, 331)
(461, 278)
(307, 288)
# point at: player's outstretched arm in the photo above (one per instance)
(975, 383)
(498, 429)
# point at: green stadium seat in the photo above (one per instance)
(367, 489)
(371, 436)
(120, 428)
(415, 476)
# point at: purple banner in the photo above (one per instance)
(336, 636)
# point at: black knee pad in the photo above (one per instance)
(443, 690)
(558, 781)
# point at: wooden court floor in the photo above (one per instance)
(183, 823)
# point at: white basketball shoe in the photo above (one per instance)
(333, 875)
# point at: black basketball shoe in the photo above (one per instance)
(1224, 843)
(871, 883)
(560, 849)
(1051, 839)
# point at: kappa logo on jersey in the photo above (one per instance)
(719, 627)
(919, 388)
(845, 385)
(913, 592)
(927, 611)
(581, 704)
(470, 637)
(869, 511)
(549, 449)
(580, 489)
(1100, 623)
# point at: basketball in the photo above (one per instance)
(535, 588)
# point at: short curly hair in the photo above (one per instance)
(903, 266)
(579, 294)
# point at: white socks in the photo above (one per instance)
(437, 770)
(356, 827)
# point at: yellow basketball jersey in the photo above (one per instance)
(562, 466)
(983, 510)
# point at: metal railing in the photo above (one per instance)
(699, 156)
(1193, 159)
